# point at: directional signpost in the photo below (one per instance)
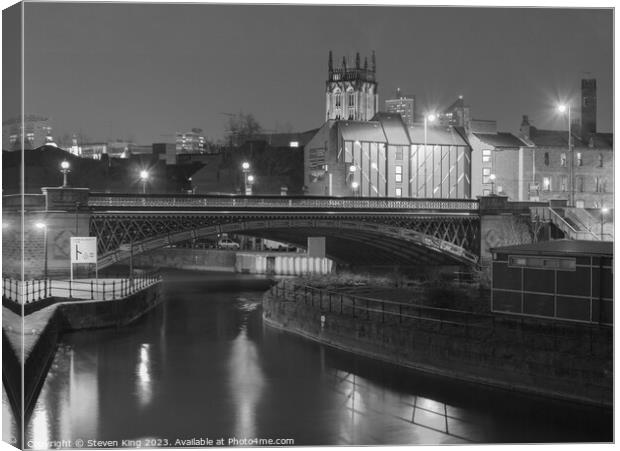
(84, 250)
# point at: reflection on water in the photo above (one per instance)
(203, 364)
(246, 377)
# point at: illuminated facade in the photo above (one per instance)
(403, 105)
(385, 158)
(37, 132)
(351, 91)
(190, 142)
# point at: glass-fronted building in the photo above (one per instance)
(385, 158)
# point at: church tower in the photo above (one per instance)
(351, 91)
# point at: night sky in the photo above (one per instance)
(145, 71)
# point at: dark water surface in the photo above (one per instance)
(204, 366)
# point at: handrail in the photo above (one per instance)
(35, 290)
(561, 223)
(202, 201)
(346, 303)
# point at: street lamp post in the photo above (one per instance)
(354, 185)
(245, 167)
(144, 176)
(603, 211)
(249, 185)
(64, 168)
(351, 175)
(492, 178)
(427, 118)
(571, 165)
(43, 226)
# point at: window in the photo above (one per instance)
(399, 153)
(546, 183)
(562, 264)
(338, 98)
(486, 175)
(600, 160)
(486, 192)
(486, 156)
(399, 192)
(563, 160)
(351, 99)
(546, 158)
(579, 159)
(600, 184)
(399, 173)
(580, 183)
(564, 183)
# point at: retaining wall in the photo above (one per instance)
(567, 363)
(187, 258)
(68, 316)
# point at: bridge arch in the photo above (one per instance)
(348, 239)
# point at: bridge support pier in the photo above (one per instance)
(46, 236)
(502, 223)
(316, 246)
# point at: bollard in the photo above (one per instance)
(114, 289)
(104, 290)
(70, 289)
(92, 293)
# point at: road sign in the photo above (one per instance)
(84, 249)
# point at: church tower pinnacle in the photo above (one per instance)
(351, 92)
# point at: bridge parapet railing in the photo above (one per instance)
(197, 201)
(35, 290)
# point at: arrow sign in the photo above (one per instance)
(84, 249)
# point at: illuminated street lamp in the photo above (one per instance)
(245, 167)
(248, 189)
(43, 226)
(571, 167)
(64, 168)
(603, 211)
(427, 118)
(354, 185)
(144, 177)
(492, 178)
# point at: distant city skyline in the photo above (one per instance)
(145, 71)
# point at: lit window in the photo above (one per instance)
(546, 183)
(579, 160)
(563, 160)
(486, 156)
(399, 192)
(486, 175)
(399, 173)
(294, 144)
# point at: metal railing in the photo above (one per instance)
(549, 214)
(28, 291)
(379, 310)
(207, 201)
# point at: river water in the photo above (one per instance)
(202, 366)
